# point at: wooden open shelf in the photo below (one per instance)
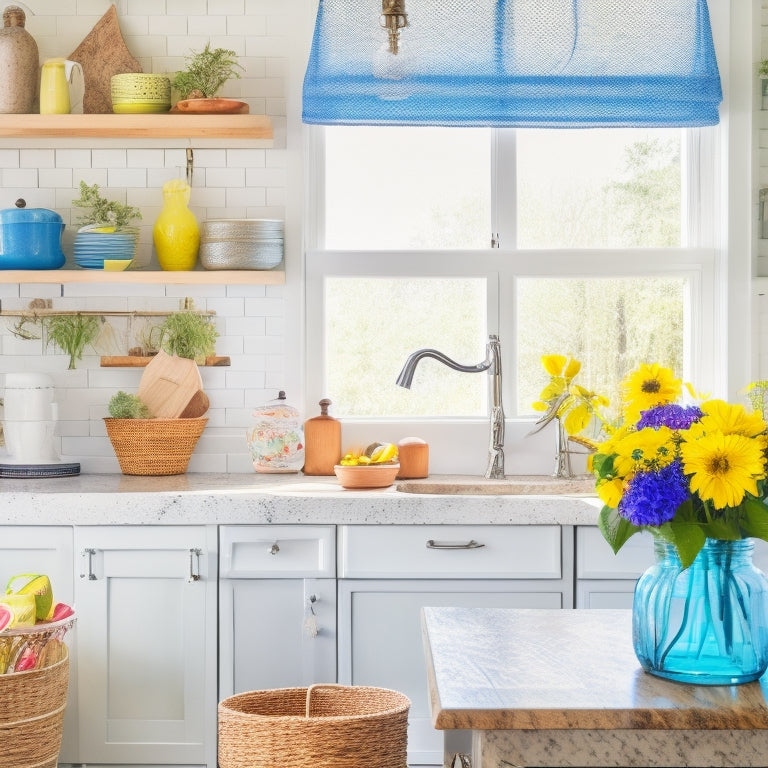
(158, 126)
(146, 276)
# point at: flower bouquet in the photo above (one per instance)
(694, 475)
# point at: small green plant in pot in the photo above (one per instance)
(99, 210)
(187, 334)
(126, 406)
(206, 73)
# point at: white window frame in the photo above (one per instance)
(459, 445)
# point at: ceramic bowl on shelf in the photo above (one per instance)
(366, 475)
(140, 92)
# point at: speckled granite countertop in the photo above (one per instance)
(194, 499)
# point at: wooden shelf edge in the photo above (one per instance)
(137, 126)
(134, 361)
(149, 276)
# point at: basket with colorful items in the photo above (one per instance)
(30, 622)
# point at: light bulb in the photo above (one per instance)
(393, 70)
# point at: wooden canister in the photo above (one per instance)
(413, 455)
(322, 442)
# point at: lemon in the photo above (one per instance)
(384, 453)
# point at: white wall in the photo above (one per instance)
(260, 326)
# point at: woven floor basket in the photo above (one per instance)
(154, 446)
(32, 713)
(323, 726)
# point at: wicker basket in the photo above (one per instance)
(32, 712)
(154, 446)
(323, 726)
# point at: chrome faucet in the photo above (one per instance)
(492, 364)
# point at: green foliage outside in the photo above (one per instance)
(610, 324)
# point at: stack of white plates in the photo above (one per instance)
(241, 243)
(93, 248)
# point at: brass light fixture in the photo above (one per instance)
(393, 18)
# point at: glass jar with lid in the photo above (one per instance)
(276, 439)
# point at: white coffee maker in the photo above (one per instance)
(29, 422)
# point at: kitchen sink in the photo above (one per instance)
(521, 485)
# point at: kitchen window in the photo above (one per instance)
(596, 242)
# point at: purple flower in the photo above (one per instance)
(671, 415)
(652, 498)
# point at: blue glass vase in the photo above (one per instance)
(705, 624)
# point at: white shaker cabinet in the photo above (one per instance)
(146, 606)
(388, 573)
(607, 580)
(277, 607)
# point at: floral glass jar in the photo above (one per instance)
(276, 439)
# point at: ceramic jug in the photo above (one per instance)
(176, 234)
(18, 63)
(61, 87)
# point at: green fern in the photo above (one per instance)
(206, 72)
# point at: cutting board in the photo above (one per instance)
(169, 384)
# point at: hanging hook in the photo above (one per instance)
(190, 165)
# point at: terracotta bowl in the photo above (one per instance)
(367, 475)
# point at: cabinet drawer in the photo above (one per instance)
(450, 551)
(595, 558)
(277, 551)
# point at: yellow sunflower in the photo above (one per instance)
(723, 467)
(610, 491)
(646, 387)
(729, 419)
(645, 449)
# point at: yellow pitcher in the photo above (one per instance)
(61, 86)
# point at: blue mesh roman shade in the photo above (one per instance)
(516, 63)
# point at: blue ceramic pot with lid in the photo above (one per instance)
(30, 238)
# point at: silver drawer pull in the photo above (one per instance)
(471, 544)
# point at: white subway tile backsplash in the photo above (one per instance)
(37, 158)
(19, 177)
(227, 182)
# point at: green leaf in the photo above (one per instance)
(616, 530)
(688, 539)
(754, 518)
(602, 464)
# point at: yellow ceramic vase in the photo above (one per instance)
(176, 233)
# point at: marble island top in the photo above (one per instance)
(563, 687)
(196, 498)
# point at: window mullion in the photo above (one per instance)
(504, 187)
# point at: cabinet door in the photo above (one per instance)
(276, 633)
(146, 601)
(277, 607)
(47, 550)
(380, 641)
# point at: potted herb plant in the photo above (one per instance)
(100, 211)
(188, 334)
(104, 218)
(206, 73)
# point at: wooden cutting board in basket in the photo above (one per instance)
(169, 384)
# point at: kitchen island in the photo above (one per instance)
(563, 688)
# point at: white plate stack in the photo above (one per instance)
(241, 243)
